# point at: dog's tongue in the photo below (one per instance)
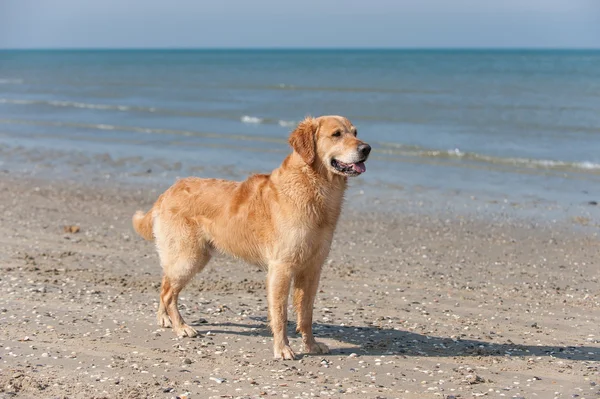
(359, 167)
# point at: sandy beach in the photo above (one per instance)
(413, 305)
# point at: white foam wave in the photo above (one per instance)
(416, 151)
(588, 165)
(456, 152)
(286, 123)
(20, 102)
(529, 162)
(559, 164)
(522, 162)
(105, 127)
(251, 119)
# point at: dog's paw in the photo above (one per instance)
(284, 352)
(316, 347)
(163, 320)
(186, 331)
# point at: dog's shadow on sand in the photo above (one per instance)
(378, 341)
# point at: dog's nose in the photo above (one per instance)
(364, 150)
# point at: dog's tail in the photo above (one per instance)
(142, 223)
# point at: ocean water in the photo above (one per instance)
(518, 125)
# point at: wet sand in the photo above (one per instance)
(413, 305)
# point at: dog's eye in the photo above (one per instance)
(337, 134)
(355, 133)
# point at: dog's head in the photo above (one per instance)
(330, 142)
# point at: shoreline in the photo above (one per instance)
(412, 305)
(155, 171)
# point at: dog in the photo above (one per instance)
(283, 222)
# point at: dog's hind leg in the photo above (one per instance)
(161, 316)
(179, 270)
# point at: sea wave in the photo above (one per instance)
(248, 119)
(267, 121)
(383, 150)
(119, 108)
(75, 104)
(457, 154)
(147, 130)
(283, 123)
(251, 119)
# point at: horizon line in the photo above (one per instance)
(293, 48)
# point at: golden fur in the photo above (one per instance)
(283, 222)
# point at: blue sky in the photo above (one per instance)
(309, 23)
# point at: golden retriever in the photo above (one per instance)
(283, 222)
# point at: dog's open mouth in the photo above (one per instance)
(350, 169)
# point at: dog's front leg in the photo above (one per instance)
(306, 283)
(278, 289)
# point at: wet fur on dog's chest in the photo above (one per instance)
(292, 230)
(306, 227)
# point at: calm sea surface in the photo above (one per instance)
(505, 124)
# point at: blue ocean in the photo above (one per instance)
(517, 125)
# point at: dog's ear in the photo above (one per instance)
(302, 140)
